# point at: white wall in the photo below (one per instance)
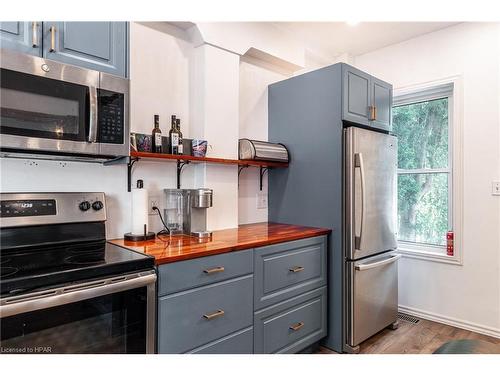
(159, 78)
(254, 80)
(240, 37)
(466, 295)
(215, 90)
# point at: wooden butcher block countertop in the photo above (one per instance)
(167, 249)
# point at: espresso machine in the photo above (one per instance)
(186, 211)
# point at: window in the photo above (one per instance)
(422, 121)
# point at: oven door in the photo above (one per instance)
(47, 106)
(115, 315)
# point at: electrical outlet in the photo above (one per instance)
(261, 200)
(495, 188)
(153, 202)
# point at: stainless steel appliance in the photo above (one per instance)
(49, 108)
(200, 200)
(250, 149)
(371, 280)
(341, 177)
(64, 289)
(186, 211)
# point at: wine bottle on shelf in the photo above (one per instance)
(173, 136)
(180, 148)
(156, 136)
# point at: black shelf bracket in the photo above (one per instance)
(130, 164)
(240, 169)
(261, 175)
(180, 165)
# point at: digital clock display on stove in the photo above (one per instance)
(18, 208)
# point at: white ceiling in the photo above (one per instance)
(330, 39)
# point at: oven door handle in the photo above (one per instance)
(92, 136)
(74, 293)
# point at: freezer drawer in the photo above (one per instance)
(373, 296)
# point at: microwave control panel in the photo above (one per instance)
(110, 116)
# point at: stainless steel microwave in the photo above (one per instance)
(49, 108)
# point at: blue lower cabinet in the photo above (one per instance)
(292, 325)
(240, 342)
(192, 318)
(287, 269)
(266, 300)
(188, 274)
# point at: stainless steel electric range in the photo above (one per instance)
(64, 289)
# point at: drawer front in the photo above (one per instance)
(285, 270)
(373, 297)
(174, 277)
(192, 318)
(240, 342)
(291, 326)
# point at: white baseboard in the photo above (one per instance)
(485, 330)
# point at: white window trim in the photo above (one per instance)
(428, 252)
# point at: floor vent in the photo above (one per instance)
(408, 318)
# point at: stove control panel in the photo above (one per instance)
(27, 207)
(24, 209)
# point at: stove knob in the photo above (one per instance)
(84, 206)
(97, 205)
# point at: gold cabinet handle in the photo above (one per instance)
(371, 112)
(214, 315)
(52, 39)
(297, 326)
(374, 113)
(296, 269)
(34, 36)
(214, 270)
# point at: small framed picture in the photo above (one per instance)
(143, 142)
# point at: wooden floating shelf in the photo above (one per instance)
(194, 159)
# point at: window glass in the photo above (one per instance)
(422, 130)
(423, 207)
(423, 171)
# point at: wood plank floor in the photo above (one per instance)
(423, 337)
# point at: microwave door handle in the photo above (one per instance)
(358, 163)
(92, 136)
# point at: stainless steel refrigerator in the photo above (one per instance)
(370, 266)
(341, 176)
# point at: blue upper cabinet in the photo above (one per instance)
(101, 46)
(25, 37)
(356, 95)
(94, 45)
(366, 100)
(382, 103)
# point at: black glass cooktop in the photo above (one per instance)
(37, 267)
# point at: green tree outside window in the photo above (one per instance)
(423, 154)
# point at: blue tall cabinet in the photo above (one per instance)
(307, 113)
(101, 46)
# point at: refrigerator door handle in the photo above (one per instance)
(358, 163)
(367, 266)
